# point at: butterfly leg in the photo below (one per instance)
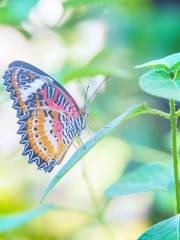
(82, 143)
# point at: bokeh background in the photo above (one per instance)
(79, 42)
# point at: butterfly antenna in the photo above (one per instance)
(86, 95)
(94, 93)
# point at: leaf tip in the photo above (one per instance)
(42, 198)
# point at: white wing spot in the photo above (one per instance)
(37, 84)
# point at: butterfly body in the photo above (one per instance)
(49, 117)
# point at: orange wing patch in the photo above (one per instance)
(18, 94)
(43, 139)
(32, 137)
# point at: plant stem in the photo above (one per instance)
(150, 111)
(175, 152)
(156, 112)
(99, 211)
(90, 188)
(178, 113)
(106, 228)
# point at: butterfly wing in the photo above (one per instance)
(45, 111)
(29, 84)
(44, 137)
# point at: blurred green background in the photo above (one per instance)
(78, 42)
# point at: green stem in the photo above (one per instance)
(150, 111)
(157, 112)
(90, 188)
(175, 152)
(178, 113)
(99, 211)
(107, 228)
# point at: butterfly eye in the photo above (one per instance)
(84, 111)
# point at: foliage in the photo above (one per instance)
(158, 81)
(69, 74)
(76, 157)
(132, 32)
(12, 221)
(162, 81)
(167, 229)
(149, 177)
(13, 12)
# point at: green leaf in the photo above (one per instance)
(69, 74)
(165, 230)
(15, 12)
(144, 154)
(12, 221)
(76, 157)
(176, 69)
(167, 62)
(164, 79)
(153, 176)
(159, 83)
(76, 3)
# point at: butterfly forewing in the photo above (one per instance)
(48, 115)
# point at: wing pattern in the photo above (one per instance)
(49, 118)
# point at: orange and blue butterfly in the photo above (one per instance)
(49, 117)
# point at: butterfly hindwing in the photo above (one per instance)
(46, 135)
(45, 111)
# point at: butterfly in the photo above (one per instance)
(48, 116)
